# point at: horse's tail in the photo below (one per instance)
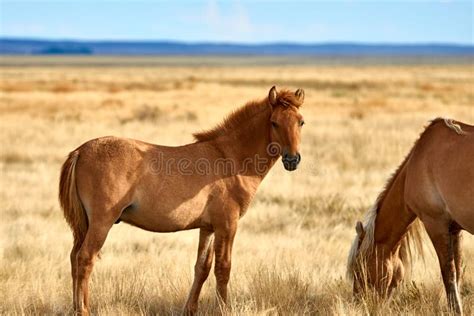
(74, 211)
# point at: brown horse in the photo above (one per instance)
(207, 185)
(435, 186)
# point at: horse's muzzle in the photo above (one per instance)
(291, 162)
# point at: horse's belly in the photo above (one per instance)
(167, 215)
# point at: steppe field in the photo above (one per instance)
(290, 251)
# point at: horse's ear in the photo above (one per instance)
(272, 96)
(360, 229)
(300, 95)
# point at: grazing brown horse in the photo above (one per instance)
(207, 185)
(435, 186)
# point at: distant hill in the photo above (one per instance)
(13, 46)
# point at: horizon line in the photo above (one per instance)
(262, 43)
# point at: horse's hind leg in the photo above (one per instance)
(444, 241)
(73, 257)
(93, 242)
(457, 241)
(201, 269)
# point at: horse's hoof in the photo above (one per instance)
(189, 310)
(83, 312)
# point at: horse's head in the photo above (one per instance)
(370, 267)
(286, 123)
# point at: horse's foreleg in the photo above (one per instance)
(95, 238)
(444, 241)
(201, 269)
(223, 247)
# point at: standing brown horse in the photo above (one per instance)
(435, 183)
(207, 185)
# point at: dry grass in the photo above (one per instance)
(290, 251)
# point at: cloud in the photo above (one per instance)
(21, 29)
(231, 22)
(231, 25)
(224, 22)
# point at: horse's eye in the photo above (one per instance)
(274, 125)
(301, 123)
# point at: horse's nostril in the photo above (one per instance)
(296, 158)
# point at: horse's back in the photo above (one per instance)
(440, 172)
(109, 155)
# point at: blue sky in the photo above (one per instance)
(242, 21)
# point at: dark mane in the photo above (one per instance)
(244, 114)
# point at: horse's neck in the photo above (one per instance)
(393, 217)
(247, 147)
